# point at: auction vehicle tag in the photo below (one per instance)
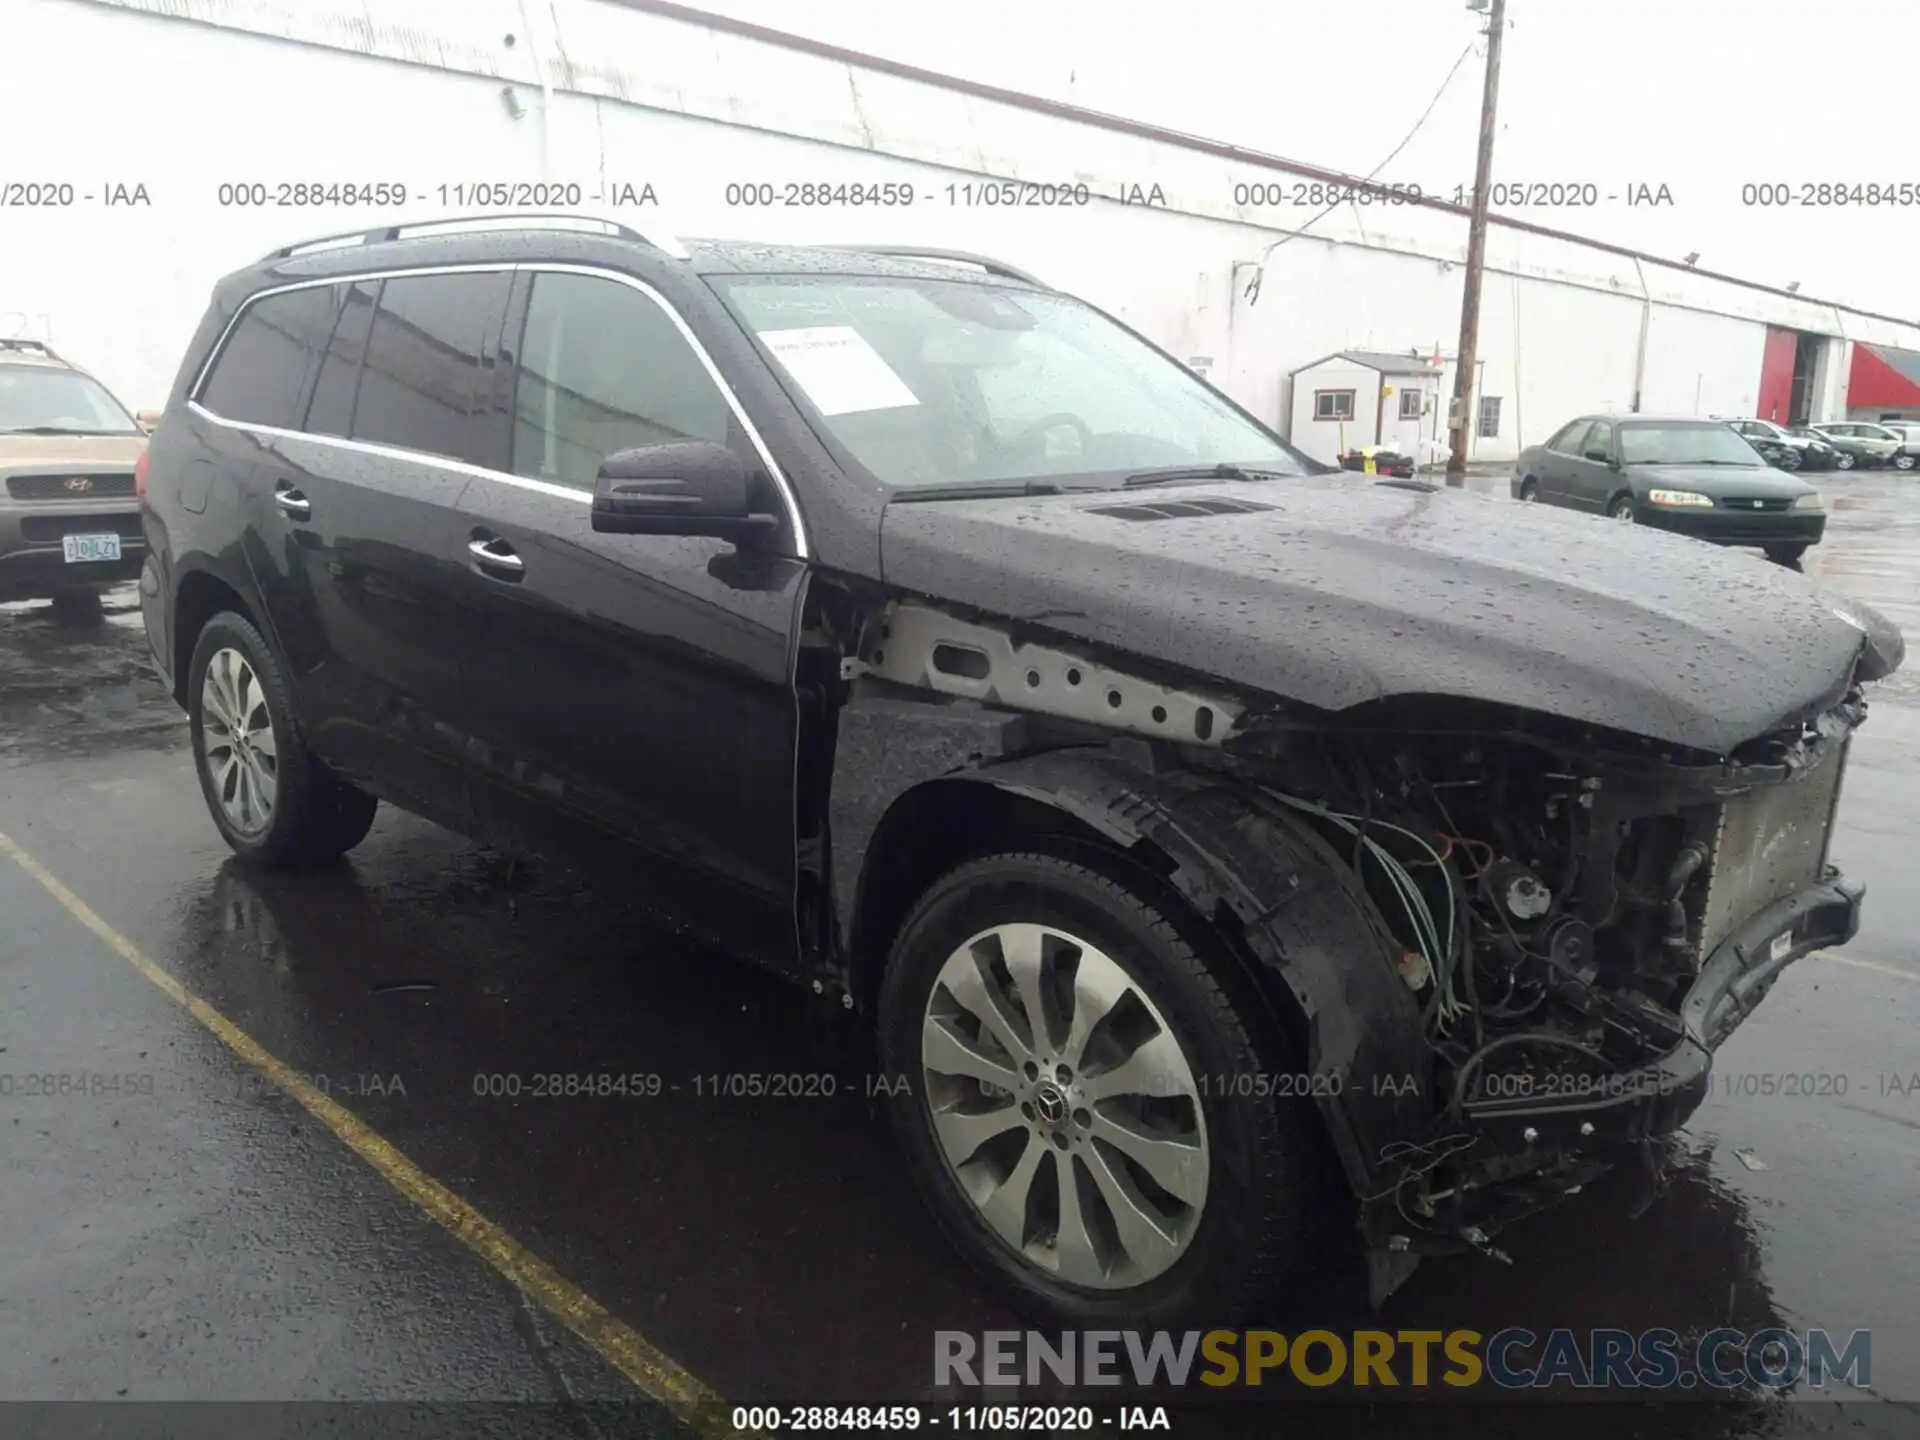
(1781, 944)
(81, 548)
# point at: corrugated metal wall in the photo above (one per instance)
(192, 98)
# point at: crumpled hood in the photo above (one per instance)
(1342, 592)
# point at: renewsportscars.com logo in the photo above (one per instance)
(1511, 1359)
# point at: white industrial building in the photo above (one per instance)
(179, 122)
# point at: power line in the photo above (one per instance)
(1260, 270)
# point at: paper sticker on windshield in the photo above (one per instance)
(838, 369)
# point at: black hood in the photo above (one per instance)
(1337, 593)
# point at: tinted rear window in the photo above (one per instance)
(262, 371)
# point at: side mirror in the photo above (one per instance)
(147, 419)
(684, 488)
(1600, 456)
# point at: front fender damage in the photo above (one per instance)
(1493, 1008)
(1280, 901)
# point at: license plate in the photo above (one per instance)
(82, 548)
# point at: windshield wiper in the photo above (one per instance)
(1013, 491)
(53, 430)
(1174, 474)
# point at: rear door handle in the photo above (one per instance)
(292, 501)
(494, 557)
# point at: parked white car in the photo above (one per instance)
(1908, 455)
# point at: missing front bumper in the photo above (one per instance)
(1656, 1098)
(1521, 1155)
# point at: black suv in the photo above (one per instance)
(1181, 814)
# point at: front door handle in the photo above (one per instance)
(292, 501)
(493, 556)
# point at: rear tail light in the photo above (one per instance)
(140, 475)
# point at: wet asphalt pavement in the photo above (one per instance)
(199, 1236)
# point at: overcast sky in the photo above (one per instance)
(1703, 96)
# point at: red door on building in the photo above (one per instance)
(1776, 376)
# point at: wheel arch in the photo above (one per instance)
(200, 593)
(1251, 883)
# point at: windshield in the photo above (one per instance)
(932, 383)
(41, 400)
(1685, 444)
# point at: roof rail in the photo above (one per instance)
(951, 257)
(483, 221)
(9, 342)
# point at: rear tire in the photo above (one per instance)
(1253, 1162)
(1529, 489)
(1903, 462)
(272, 799)
(1843, 461)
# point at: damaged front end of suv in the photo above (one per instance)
(1560, 921)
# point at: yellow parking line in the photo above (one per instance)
(625, 1348)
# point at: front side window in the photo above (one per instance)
(604, 368)
(941, 382)
(1686, 443)
(427, 367)
(262, 371)
(40, 400)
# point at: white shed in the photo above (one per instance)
(1367, 397)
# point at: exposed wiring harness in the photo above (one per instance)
(1440, 947)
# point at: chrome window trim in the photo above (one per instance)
(391, 452)
(781, 483)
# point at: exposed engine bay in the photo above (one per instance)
(1557, 904)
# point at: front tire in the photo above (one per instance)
(1789, 460)
(1843, 461)
(1086, 1162)
(1620, 508)
(1529, 489)
(1788, 555)
(274, 802)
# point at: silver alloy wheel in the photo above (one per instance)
(1903, 462)
(1843, 461)
(237, 742)
(1066, 1108)
(1624, 512)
